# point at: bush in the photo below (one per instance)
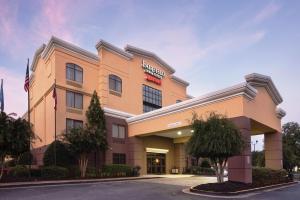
(54, 172)
(201, 171)
(136, 171)
(74, 171)
(64, 158)
(205, 164)
(265, 176)
(91, 172)
(10, 163)
(25, 158)
(19, 171)
(117, 170)
(36, 173)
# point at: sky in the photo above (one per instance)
(211, 43)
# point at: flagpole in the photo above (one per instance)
(28, 111)
(55, 123)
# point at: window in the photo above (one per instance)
(72, 123)
(152, 98)
(74, 100)
(115, 83)
(118, 131)
(74, 72)
(119, 158)
(178, 101)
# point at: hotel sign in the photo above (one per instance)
(152, 74)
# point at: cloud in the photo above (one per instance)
(54, 19)
(267, 12)
(14, 94)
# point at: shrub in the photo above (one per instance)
(265, 176)
(117, 170)
(25, 158)
(136, 171)
(91, 172)
(74, 171)
(37, 173)
(54, 172)
(10, 163)
(19, 171)
(201, 170)
(205, 164)
(64, 158)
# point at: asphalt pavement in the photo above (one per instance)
(159, 189)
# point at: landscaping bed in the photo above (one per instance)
(23, 174)
(263, 178)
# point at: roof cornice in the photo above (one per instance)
(36, 56)
(243, 89)
(179, 80)
(260, 80)
(116, 113)
(56, 42)
(112, 48)
(135, 50)
(280, 113)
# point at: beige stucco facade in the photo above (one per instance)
(254, 101)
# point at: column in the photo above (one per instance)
(180, 157)
(240, 167)
(136, 153)
(273, 150)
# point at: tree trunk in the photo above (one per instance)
(2, 166)
(83, 161)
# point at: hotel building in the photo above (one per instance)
(147, 109)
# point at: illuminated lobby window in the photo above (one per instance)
(74, 72)
(152, 99)
(115, 83)
(74, 100)
(119, 158)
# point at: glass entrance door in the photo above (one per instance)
(156, 163)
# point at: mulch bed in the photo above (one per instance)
(230, 186)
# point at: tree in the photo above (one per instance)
(291, 145)
(91, 137)
(15, 138)
(96, 123)
(217, 139)
(64, 157)
(81, 141)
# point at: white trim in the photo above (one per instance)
(36, 56)
(243, 89)
(180, 81)
(155, 150)
(108, 46)
(135, 50)
(280, 113)
(116, 113)
(260, 80)
(56, 42)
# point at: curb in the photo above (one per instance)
(69, 182)
(239, 194)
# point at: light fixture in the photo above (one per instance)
(179, 133)
(156, 160)
(192, 131)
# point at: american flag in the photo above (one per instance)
(54, 97)
(26, 85)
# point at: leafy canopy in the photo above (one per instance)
(291, 145)
(214, 138)
(96, 122)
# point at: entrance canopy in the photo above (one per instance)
(257, 99)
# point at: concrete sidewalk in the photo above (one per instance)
(72, 181)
